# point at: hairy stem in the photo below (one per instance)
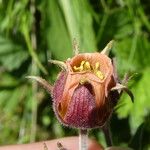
(83, 139)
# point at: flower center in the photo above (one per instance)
(86, 66)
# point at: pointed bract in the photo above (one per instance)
(61, 64)
(108, 47)
(120, 87)
(42, 82)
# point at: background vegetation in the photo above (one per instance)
(33, 31)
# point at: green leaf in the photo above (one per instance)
(136, 141)
(79, 21)
(124, 26)
(141, 106)
(132, 54)
(68, 20)
(11, 54)
(7, 81)
(12, 101)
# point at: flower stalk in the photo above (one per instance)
(83, 139)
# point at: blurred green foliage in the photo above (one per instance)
(33, 31)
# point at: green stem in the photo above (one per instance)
(31, 41)
(9, 12)
(33, 48)
(32, 52)
(144, 18)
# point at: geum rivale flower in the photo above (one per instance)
(86, 90)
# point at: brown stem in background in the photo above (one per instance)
(107, 134)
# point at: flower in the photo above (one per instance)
(86, 90)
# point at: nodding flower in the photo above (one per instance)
(86, 90)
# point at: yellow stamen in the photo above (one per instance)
(80, 68)
(97, 65)
(97, 71)
(83, 81)
(100, 75)
(82, 63)
(86, 66)
(76, 68)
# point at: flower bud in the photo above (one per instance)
(86, 90)
(81, 93)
